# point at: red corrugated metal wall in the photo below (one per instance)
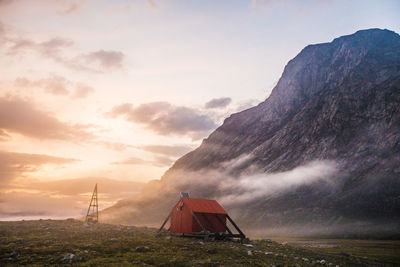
(181, 219)
(176, 219)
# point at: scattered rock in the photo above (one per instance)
(268, 253)
(249, 253)
(168, 237)
(245, 240)
(322, 261)
(248, 245)
(211, 251)
(305, 259)
(14, 254)
(70, 258)
(142, 249)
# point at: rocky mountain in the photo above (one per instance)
(321, 155)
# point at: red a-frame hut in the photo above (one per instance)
(200, 217)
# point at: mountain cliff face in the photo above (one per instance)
(323, 150)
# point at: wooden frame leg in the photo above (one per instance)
(223, 224)
(166, 220)
(198, 221)
(234, 224)
(210, 223)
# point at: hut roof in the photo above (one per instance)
(204, 205)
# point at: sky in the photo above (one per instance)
(113, 92)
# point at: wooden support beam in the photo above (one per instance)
(166, 220)
(223, 224)
(198, 221)
(234, 224)
(201, 234)
(210, 223)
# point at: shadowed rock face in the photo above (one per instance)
(337, 101)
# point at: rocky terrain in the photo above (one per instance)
(320, 156)
(51, 242)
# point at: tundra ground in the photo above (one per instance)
(54, 242)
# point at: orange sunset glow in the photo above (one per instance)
(78, 106)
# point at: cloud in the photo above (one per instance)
(21, 159)
(50, 48)
(6, 2)
(263, 4)
(122, 109)
(106, 59)
(76, 186)
(174, 151)
(3, 134)
(260, 185)
(162, 161)
(22, 117)
(57, 85)
(72, 7)
(114, 145)
(218, 103)
(2, 33)
(82, 91)
(55, 49)
(53, 46)
(152, 4)
(14, 164)
(251, 184)
(132, 161)
(68, 6)
(165, 118)
(159, 161)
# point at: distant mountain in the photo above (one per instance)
(321, 155)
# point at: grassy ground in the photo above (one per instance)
(47, 242)
(377, 250)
